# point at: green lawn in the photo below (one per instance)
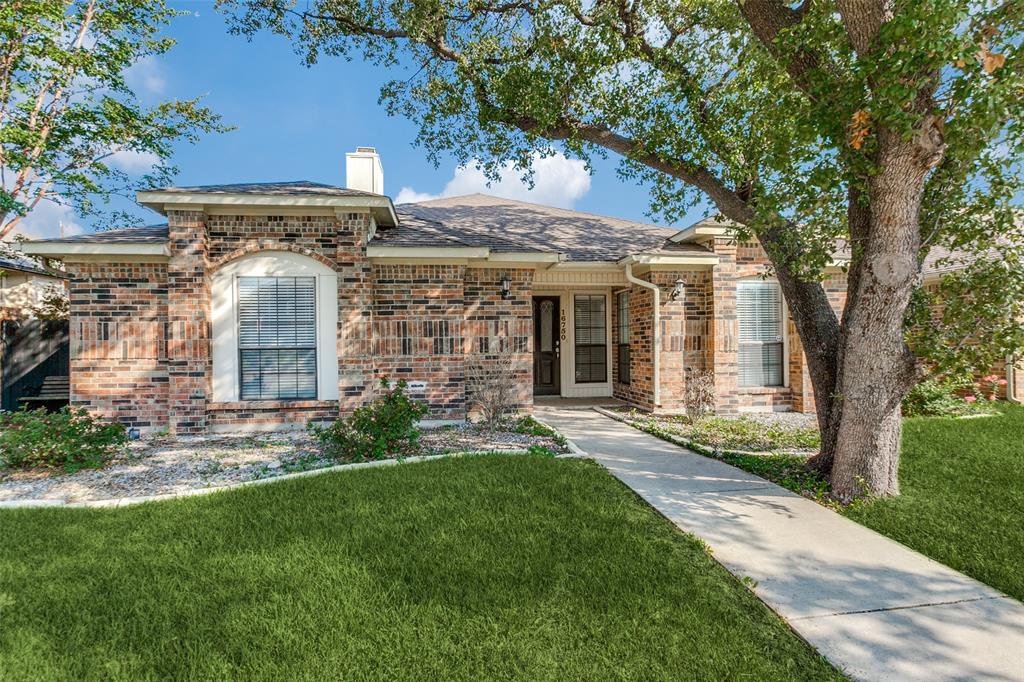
(962, 501)
(483, 567)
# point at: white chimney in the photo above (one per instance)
(363, 171)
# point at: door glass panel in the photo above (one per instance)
(547, 321)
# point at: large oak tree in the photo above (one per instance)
(887, 127)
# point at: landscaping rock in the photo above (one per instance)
(164, 465)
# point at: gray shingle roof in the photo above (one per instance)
(27, 265)
(294, 188)
(150, 234)
(509, 225)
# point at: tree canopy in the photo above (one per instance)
(66, 110)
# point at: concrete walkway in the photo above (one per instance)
(873, 607)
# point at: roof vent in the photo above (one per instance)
(363, 170)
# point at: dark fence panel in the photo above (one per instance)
(31, 351)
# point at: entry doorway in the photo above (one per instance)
(546, 346)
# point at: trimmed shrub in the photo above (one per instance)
(70, 438)
(384, 428)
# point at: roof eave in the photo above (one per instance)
(701, 233)
(160, 201)
(67, 250)
(669, 259)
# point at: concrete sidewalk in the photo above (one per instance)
(873, 607)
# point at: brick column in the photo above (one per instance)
(356, 375)
(724, 326)
(799, 377)
(188, 328)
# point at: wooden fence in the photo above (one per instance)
(30, 352)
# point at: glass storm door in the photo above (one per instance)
(545, 346)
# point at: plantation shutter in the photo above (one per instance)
(759, 309)
(277, 337)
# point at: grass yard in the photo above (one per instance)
(483, 567)
(962, 501)
(962, 483)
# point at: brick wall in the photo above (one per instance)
(493, 324)
(418, 320)
(356, 378)
(230, 235)
(118, 345)
(269, 414)
(685, 339)
(188, 327)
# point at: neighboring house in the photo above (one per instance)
(25, 284)
(262, 305)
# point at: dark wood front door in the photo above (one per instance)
(545, 346)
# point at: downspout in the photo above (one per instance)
(656, 350)
(1011, 387)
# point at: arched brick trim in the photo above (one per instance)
(271, 245)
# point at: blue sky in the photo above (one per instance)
(296, 123)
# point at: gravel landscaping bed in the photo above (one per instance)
(161, 465)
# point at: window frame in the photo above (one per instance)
(782, 343)
(623, 354)
(260, 349)
(604, 347)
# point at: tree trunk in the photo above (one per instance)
(861, 378)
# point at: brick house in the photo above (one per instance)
(268, 305)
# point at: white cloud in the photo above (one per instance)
(407, 195)
(132, 162)
(557, 181)
(146, 75)
(44, 221)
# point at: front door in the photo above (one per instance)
(545, 346)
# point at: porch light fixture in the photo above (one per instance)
(679, 290)
(506, 286)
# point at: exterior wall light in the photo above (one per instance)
(506, 287)
(679, 290)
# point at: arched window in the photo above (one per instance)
(275, 321)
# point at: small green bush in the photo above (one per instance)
(384, 428)
(531, 427)
(940, 398)
(70, 438)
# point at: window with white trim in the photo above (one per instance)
(277, 338)
(590, 330)
(759, 310)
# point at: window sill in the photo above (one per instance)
(271, 405)
(763, 390)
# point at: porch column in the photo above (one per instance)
(356, 370)
(724, 326)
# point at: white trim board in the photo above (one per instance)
(224, 314)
